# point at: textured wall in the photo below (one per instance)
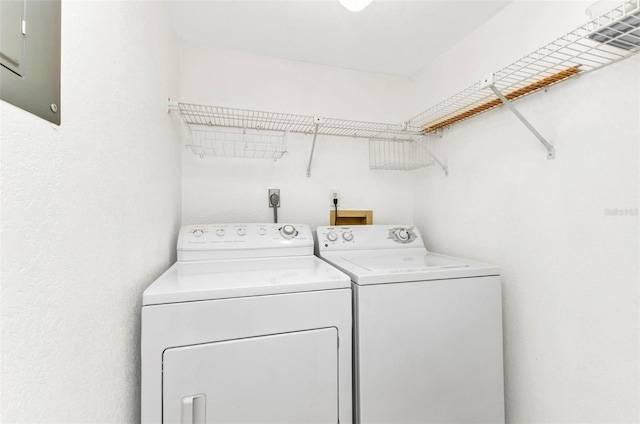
(90, 211)
(235, 190)
(570, 268)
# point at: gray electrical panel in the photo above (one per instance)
(30, 56)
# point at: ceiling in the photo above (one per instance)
(397, 37)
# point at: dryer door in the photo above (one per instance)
(282, 378)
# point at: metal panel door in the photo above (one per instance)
(30, 56)
(283, 378)
(12, 25)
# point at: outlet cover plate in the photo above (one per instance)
(272, 191)
(332, 195)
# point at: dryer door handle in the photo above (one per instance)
(194, 409)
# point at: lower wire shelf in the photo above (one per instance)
(397, 155)
(238, 145)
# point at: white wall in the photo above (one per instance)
(570, 291)
(235, 190)
(90, 210)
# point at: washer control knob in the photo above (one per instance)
(402, 234)
(262, 231)
(347, 236)
(331, 236)
(220, 232)
(288, 231)
(242, 231)
(197, 232)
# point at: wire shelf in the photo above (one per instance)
(603, 40)
(397, 155)
(239, 145)
(216, 116)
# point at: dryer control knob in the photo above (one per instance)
(242, 231)
(288, 231)
(262, 231)
(220, 231)
(347, 236)
(197, 232)
(331, 236)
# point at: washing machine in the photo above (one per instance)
(247, 327)
(427, 328)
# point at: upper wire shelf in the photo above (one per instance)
(201, 115)
(603, 40)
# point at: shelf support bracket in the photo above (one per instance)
(551, 152)
(434, 157)
(317, 121)
(172, 106)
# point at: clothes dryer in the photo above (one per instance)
(247, 327)
(427, 328)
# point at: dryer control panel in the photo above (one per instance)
(364, 237)
(231, 241)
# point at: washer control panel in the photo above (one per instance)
(335, 236)
(368, 237)
(227, 241)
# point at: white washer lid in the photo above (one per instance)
(207, 280)
(394, 266)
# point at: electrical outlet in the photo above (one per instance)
(275, 191)
(335, 194)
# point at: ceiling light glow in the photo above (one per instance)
(355, 5)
